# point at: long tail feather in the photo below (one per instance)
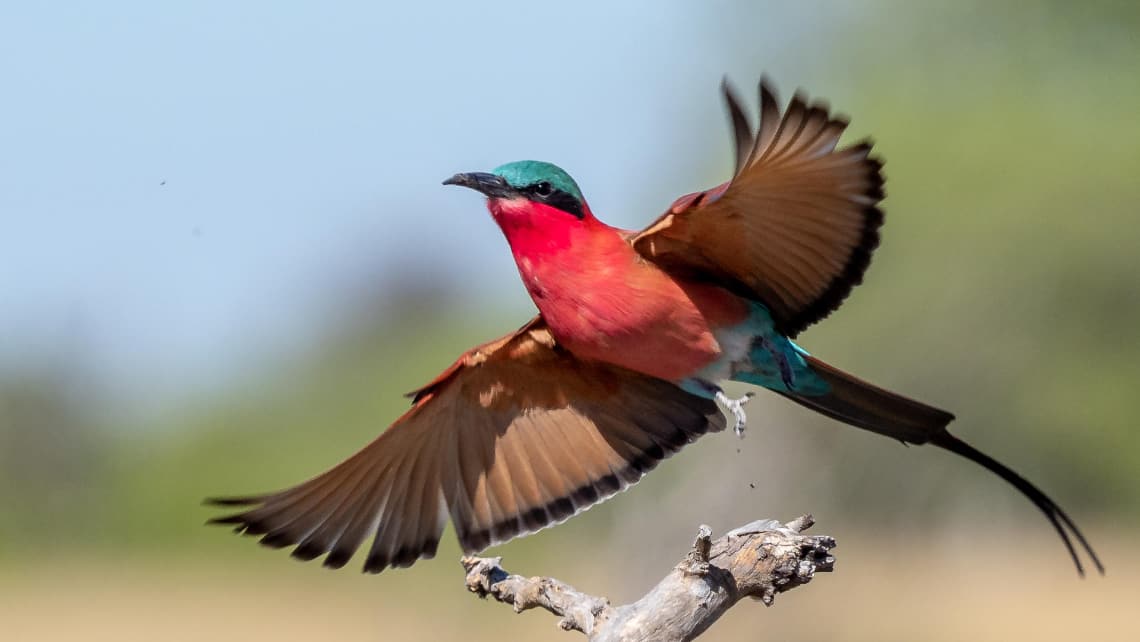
(863, 405)
(1057, 517)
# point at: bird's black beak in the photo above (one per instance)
(489, 185)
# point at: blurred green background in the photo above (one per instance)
(226, 255)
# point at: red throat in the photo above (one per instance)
(536, 230)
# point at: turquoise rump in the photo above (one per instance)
(771, 360)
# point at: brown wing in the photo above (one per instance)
(796, 225)
(517, 435)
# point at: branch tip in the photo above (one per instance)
(801, 523)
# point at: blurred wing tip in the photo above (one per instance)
(307, 552)
(767, 91)
(728, 88)
(742, 132)
(377, 562)
(335, 563)
(233, 501)
(728, 93)
(821, 104)
(225, 520)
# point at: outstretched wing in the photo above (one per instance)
(796, 225)
(517, 435)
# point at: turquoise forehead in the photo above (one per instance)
(528, 172)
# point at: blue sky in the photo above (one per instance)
(182, 185)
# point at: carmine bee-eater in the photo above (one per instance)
(621, 367)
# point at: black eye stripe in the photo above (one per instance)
(564, 202)
(544, 192)
(541, 189)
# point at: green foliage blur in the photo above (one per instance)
(1007, 289)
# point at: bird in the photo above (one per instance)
(623, 364)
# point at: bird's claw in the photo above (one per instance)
(736, 407)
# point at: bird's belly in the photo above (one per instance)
(669, 337)
(735, 346)
(663, 350)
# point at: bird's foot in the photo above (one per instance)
(736, 407)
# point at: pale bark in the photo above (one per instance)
(758, 560)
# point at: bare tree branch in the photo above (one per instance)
(757, 560)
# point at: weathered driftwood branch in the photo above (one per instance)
(757, 560)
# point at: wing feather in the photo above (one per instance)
(515, 436)
(795, 227)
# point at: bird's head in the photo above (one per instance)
(529, 195)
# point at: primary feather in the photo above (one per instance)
(517, 435)
(795, 227)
